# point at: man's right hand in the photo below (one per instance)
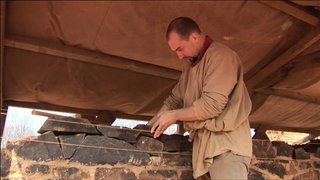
(153, 120)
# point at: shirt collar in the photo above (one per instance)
(206, 44)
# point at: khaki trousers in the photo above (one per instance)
(228, 166)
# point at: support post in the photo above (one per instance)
(2, 21)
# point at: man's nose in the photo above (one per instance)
(180, 55)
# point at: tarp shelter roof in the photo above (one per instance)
(110, 58)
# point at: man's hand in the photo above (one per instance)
(153, 120)
(164, 120)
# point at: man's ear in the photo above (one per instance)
(194, 36)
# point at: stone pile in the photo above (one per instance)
(77, 140)
(80, 141)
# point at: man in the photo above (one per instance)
(212, 102)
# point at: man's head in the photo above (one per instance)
(184, 37)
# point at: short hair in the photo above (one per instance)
(183, 26)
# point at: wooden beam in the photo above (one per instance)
(296, 63)
(289, 94)
(306, 2)
(285, 58)
(282, 128)
(83, 112)
(51, 107)
(88, 56)
(2, 21)
(294, 11)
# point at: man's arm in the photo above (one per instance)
(166, 118)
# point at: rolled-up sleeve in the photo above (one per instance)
(220, 78)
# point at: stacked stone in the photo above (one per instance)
(109, 152)
(75, 149)
(278, 160)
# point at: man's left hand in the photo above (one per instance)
(165, 119)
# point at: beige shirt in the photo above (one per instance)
(216, 89)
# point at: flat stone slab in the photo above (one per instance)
(283, 149)
(145, 130)
(125, 134)
(300, 153)
(179, 159)
(264, 149)
(150, 145)
(105, 150)
(69, 144)
(175, 143)
(39, 148)
(68, 125)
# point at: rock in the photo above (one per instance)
(283, 161)
(145, 130)
(150, 144)
(300, 153)
(5, 163)
(68, 125)
(316, 164)
(39, 148)
(69, 173)
(292, 167)
(283, 149)
(110, 151)
(143, 127)
(66, 144)
(37, 168)
(273, 167)
(264, 149)
(125, 134)
(114, 173)
(305, 165)
(312, 146)
(255, 175)
(260, 133)
(175, 143)
(307, 175)
(155, 161)
(186, 175)
(317, 153)
(180, 159)
(158, 174)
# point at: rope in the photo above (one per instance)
(133, 150)
(108, 148)
(137, 130)
(121, 149)
(136, 150)
(100, 147)
(101, 125)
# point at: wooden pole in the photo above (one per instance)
(2, 19)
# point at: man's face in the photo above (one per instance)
(185, 49)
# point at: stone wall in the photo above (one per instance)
(278, 160)
(100, 152)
